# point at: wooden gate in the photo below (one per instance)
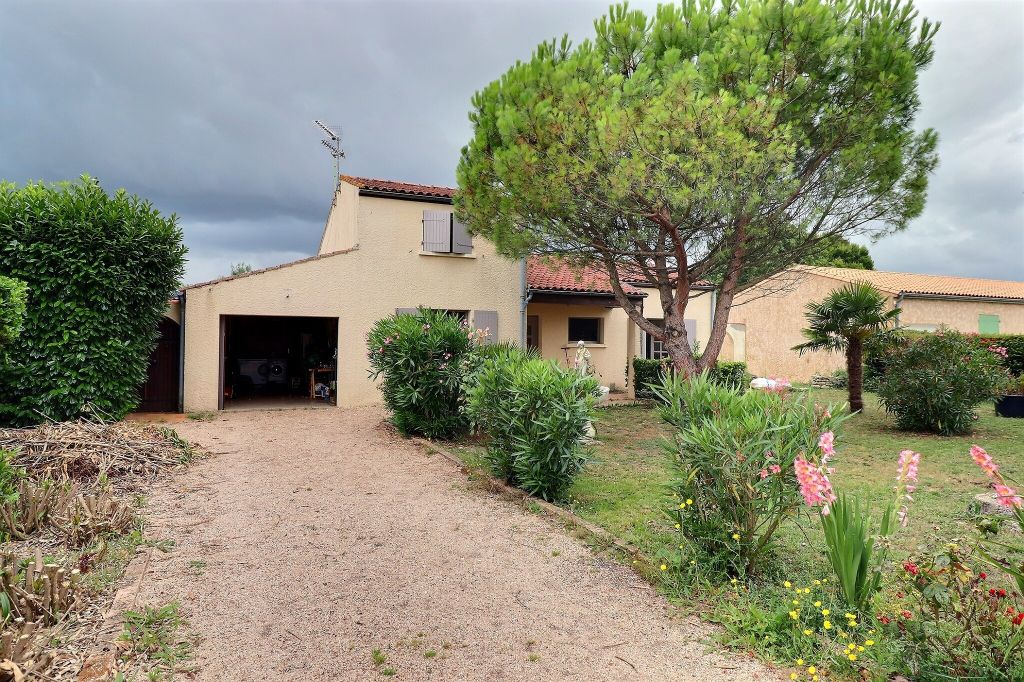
(160, 392)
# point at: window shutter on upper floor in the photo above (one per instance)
(487, 319)
(462, 240)
(437, 231)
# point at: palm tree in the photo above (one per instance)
(841, 323)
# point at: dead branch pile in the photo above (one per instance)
(93, 515)
(35, 506)
(85, 449)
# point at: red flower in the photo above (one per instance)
(982, 576)
(899, 595)
(910, 567)
(992, 592)
(885, 620)
(906, 614)
(1018, 619)
(1002, 592)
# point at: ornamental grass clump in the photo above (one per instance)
(535, 416)
(734, 453)
(423, 359)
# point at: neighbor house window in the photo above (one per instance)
(988, 324)
(442, 233)
(585, 329)
(655, 348)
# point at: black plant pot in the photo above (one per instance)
(1010, 406)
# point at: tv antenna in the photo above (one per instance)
(333, 144)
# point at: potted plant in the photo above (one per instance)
(1010, 402)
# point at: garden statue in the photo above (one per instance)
(583, 365)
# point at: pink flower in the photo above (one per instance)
(775, 468)
(984, 460)
(814, 485)
(764, 474)
(1007, 496)
(827, 445)
(906, 480)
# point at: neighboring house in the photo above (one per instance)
(269, 337)
(766, 321)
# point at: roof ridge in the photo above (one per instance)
(912, 274)
(368, 180)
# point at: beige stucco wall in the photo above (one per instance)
(173, 311)
(961, 315)
(773, 322)
(341, 230)
(384, 272)
(621, 339)
(772, 316)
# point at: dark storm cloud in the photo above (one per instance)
(206, 108)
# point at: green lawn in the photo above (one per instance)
(622, 490)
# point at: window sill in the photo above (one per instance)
(589, 345)
(464, 256)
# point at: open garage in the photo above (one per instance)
(272, 361)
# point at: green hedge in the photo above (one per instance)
(877, 354)
(13, 294)
(99, 269)
(649, 373)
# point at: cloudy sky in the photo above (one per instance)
(207, 109)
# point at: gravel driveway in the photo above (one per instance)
(314, 537)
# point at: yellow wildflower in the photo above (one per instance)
(689, 501)
(787, 584)
(807, 632)
(796, 601)
(817, 604)
(792, 676)
(824, 612)
(735, 536)
(811, 670)
(852, 657)
(827, 625)
(870, 642)
(799, 661)
(664, 567)
(793, 615)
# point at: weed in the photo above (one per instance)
(379, 657)
(388, 672)
(533, 507)
(152, 635)
(197, 567)
(429, 653)
(556, 552)
(533, 658)
(205, 416)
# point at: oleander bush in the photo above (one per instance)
(422, 360)
(734, 453)
(99, 269)
(535, 416)
(934, 382)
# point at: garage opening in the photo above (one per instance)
(273, 362)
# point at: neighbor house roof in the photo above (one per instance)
(553, 274)
(399, 188)
(911, 284)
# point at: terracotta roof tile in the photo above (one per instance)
(551, 274)
(935, 285)
(394, 187)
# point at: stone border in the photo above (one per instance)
(599, 536)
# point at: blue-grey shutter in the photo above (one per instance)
(487, 319)
(462, 240)
(437, 231)
(691, 333)
(405, 311)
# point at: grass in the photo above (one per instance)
(153, 636)
(623, 489)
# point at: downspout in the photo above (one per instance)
(181, 352)
(524, 301)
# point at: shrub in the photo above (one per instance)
(1012, 343)
(423, 359)
(13, 293)
(99, 270)
(953, 623)
(535, 415)
(934, 382)
(840, 378)
(648, 374)
(734, 453)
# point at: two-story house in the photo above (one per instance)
(294, 334)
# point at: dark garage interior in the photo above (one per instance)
(271, 361)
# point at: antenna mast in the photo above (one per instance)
(333, 144)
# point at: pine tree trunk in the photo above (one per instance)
(855, 374)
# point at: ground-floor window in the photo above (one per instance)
(585, 329)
